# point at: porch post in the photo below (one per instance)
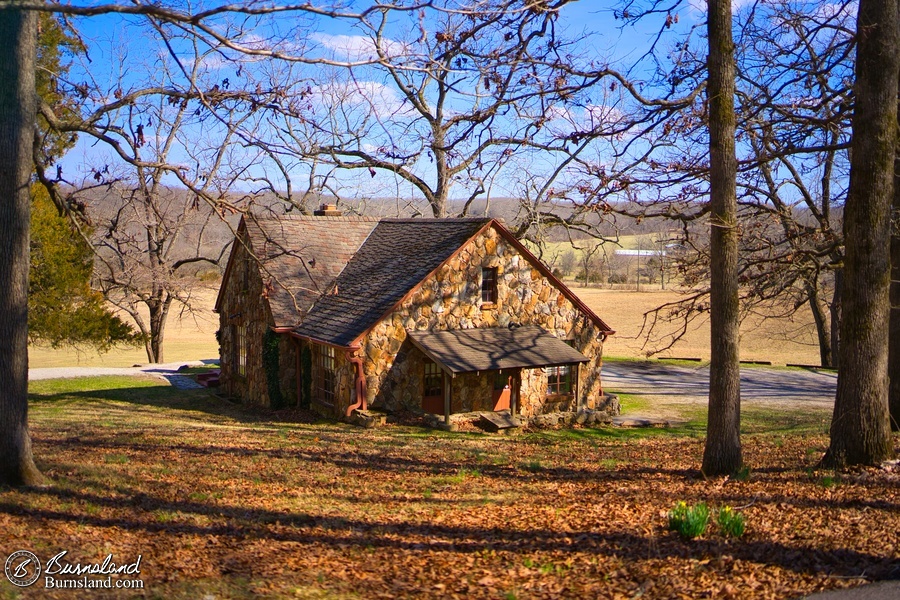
(578, 401)
(514, 392)
(447, 387)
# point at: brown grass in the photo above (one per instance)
(191, 336)
(780, 341)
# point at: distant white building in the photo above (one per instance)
(643, 253)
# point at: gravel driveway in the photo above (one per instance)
(671, 384)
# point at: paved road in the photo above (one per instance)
(882, 590)
(674, 384)
(166, 371)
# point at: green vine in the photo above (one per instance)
(271, 354)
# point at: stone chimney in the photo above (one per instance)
(328, 210)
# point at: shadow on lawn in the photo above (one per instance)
(241, 523)
(374, 462)
(165, 396)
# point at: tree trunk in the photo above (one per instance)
(159, 313)
(894, 319)
(835, 311)
(823, 334)
(722, 454)
(860, 430)
(18, 34)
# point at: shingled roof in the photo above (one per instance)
(301, 256)
(397, 255)
(332, 278)
(494, 348)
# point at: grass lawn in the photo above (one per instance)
(223, 502)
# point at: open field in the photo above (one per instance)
(220, 502)
(191, 336)
(777, 340)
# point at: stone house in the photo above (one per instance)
(442, 315)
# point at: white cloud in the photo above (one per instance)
(359, 47)
(381, 99)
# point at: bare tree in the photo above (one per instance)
(894, 320)
(860, 430)
(18, 114)
(722, 454)
(589, 254)
(18, 36)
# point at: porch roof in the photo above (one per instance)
(494, 348)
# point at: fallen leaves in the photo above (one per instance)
(232, 506)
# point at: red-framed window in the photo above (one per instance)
(324, 374)
(489, 285)
(559, 380)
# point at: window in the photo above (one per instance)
(489, 285)
(434, 380)
(324, 376)
(559, 380)
(239, 336)
(501, 381)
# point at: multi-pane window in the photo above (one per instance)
(434, 380)
(240, 349)
(489, 285)
(324, 375)
(559, 380)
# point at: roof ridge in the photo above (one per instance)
(314, 218)
(436, 220)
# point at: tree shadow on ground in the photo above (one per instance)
(165, 396)
(243, 523)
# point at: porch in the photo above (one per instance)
(484, 369)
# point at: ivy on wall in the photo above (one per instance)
(271, 354)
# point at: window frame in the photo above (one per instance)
(559, 377)
(324, 379)
(433, 372)
(489, 280)
(239, 347)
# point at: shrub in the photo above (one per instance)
(730, 522)
(689, 521)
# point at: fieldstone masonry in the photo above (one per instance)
(394, 369)
(243, 303)
(451, 299)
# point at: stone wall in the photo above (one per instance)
(243, 302)
(451, 299)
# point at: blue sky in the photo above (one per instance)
(124, 52)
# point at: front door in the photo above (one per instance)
(433, 392)
(502, 386)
